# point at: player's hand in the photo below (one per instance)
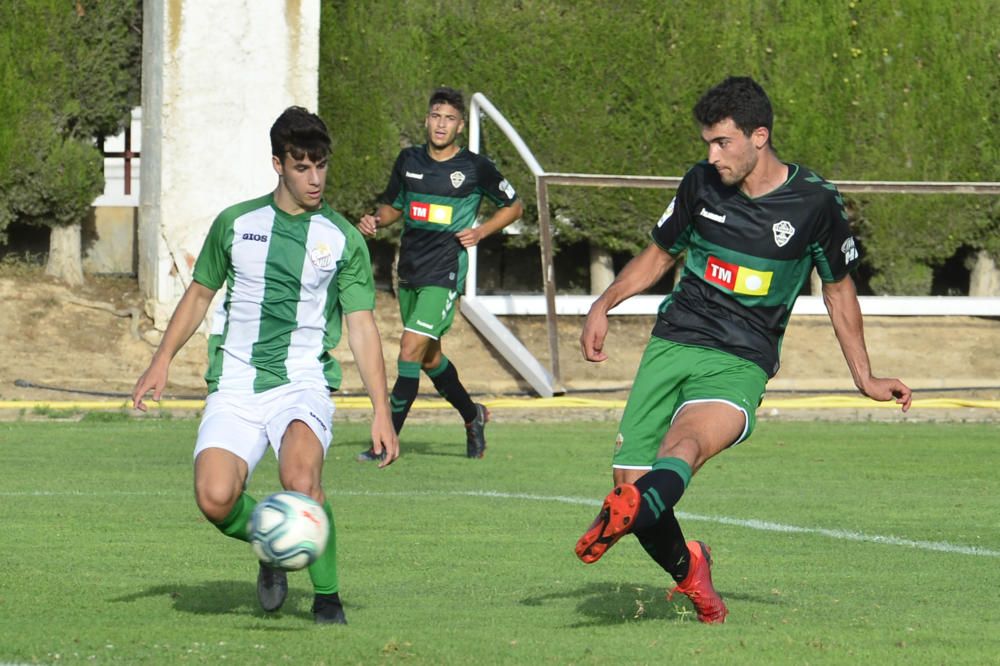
(385, 442)
(155, 379)
(368, 225)
(470, 237)
(885, 389)
(595, 330)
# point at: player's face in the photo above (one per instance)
(730, 151)
(443, 124)
(302, 180)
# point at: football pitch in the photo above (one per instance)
(833, 544)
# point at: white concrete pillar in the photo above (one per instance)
(984, 279)
(215, 75)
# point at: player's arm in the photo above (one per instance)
(641, 273)
(187, 317)
(503, 217)
(841, 301)
(366, 345)
(383, 216)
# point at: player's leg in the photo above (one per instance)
(219, 476)
(231, 441)
(444, 375)
(230, 444)
(412, 348)
(717, 410)
(302, 422)
(433, 316)
(651, 404)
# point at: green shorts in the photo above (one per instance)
(427, 310)
(672, 375)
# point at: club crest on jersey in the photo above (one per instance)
(321, 256)
(738, 279)
(433, 213)
(619, 441)
(783, 232)
(457, 178)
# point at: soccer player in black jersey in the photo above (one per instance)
(436, 189)
(753, 228)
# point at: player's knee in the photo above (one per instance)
(302, 481)
(689, 448)
(215, 502)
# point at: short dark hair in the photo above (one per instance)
(298, 132)
(740, 98)
(446, 95)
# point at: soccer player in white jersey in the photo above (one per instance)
(291, 268)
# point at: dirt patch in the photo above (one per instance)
(93, 342)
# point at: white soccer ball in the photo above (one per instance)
(288, 530)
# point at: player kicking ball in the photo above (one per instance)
(291, 268)
(753, 228)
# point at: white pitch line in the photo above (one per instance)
(753, 524)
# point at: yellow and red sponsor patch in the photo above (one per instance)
(433, 213)
(738, 279)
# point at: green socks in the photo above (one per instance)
(323, 572)
(235, 524)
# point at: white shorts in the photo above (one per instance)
(244, 424)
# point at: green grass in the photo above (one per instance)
(449, 561)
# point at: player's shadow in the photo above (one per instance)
(223, 597)
(602, 604)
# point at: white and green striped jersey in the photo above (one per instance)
(289, 279)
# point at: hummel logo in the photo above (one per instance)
(424, 324)
(416, 176)
(721, 219)
(451, 301)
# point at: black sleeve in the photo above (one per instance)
(834, 249)
(393, 194)
(673, 229)
(492, 183)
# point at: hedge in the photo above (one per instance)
(906, 91)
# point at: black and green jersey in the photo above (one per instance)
(439, 199)
(748, 259)
(289, 279)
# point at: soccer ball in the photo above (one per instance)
(288, 530)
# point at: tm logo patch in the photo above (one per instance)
(738, 279)
(433, 213)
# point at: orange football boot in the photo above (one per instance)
(612, 523)
(698, 585)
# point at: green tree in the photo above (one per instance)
(71, 74)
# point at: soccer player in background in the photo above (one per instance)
(291, 268)
(753, 228)
(436, 190)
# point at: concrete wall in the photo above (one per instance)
(215, 76)
(108, 239)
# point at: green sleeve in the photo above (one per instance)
(355, 282)
(212, 267)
